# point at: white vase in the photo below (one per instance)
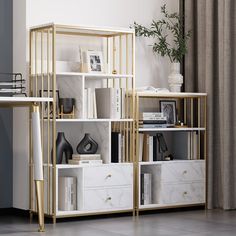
(175, 79)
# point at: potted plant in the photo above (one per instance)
(171, 41)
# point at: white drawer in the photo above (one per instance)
(181, 193)
(181, 172)
(109, 198)
(108, 175)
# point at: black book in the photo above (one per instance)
(154, 121)
(155, 150)
(114, 147)
(142, 190)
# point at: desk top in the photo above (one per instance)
(11, 101)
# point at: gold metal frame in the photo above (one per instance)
(43, 41)
(201, 122)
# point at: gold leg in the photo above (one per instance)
(39, 184)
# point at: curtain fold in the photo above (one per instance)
(210, 67)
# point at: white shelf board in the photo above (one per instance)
(24, 99)
(88, 30)
(171, 129)
(69, 166)
(78, 212)
(94, 120)
(169, 94)
(95, 75)
(143, 163)
(152, 206)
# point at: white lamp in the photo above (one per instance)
(38, 164)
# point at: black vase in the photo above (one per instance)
(62, 146)
(67, 104)
(87, 145)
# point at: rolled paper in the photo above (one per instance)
(37, 145)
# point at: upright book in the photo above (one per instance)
(108, 102)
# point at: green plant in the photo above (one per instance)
(170, 27)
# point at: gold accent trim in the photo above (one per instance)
(39, 185)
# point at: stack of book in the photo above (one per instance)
(146, 189)
(67, 194)
(110, 103)
(152, 120)
(86, 159)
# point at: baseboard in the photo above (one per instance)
(13, 211)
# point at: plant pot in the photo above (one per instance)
(67, 105)
(87, 145)
(175, 79)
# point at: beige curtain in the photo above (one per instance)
(210, 66)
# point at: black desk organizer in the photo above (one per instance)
(12, 84)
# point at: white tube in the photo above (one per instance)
(37, 146)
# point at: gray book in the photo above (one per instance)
(108, 101)
(67, 194)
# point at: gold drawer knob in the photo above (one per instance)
(185, 172)
(108, 176)
(108, 199)
(185, 193)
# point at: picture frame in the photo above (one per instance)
(168, 108)
(95, 62)
(44, 93)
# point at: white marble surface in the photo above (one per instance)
(72, 87)
(108, 198)
(116, 175)
(181, 172)
(181, 193)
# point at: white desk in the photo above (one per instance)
(25, 102)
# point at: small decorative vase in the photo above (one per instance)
(67, 105)
(87, 145)
(62, 146)
(175, 79)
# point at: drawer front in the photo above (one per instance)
(109, 198)
(181, 193)
(180, 172)
(110, 175)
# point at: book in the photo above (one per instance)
(67, 191)
(141, 146)
(151, 126)
(85, 162)
(89, 104)
(108, 103)
(81, 157)
(85, 103)
(119, 148)
(146, 147)
(94, 106)
(153, 122)
(114, 147)
(146, 188)
(123, 105)
(150, 152)
(155, 150)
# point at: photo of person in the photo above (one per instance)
(168, 108)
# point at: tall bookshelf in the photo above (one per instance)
(101, 189)
(180, 182)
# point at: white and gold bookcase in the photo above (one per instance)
(107, 188)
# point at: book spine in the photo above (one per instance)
(142, 190)
(86, 103)
(154, 148)
(150, 148)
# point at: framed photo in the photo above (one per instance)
(44, 93)
(169, 111)
(95, 62)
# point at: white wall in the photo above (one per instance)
(150, 69)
